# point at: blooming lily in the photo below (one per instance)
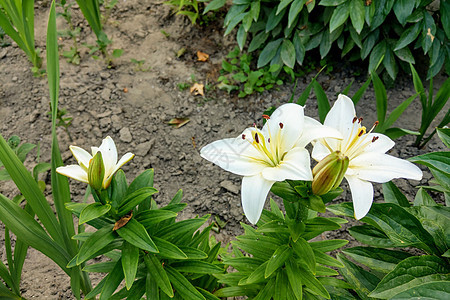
(110, 164)
(274, 153)
(366, 151)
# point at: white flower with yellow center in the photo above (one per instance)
(366, 151)
(110, 164)
(274, 153)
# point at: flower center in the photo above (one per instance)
(357, 141)
(269, 146)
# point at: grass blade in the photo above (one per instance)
(23, 225)
(395, 114)
(322, 100)
(380, 97)
(60, 184)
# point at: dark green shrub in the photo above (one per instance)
(386, 33)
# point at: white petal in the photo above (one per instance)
(341, 115)
(380, 168)
(253, 194)
(295, 166)
(126, 158)
(314, 130)
(109, 154)
(82, 156)
(362, 195)
(74, 171)
(319, 151)
(290, 117)
(234, 155)
(381, 145)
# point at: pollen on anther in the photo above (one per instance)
(266, 117)
(375, 124)
(354, 120)
(281, 125)
(361, 132)
(256, 138)
(360, 120)
(374, 139)
(243, 136)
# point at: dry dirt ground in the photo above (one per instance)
(133, 107)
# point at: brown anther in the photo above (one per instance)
(256, 138)
(266, 117)
(281, 125)
(374, 139)
(375, 124)
(360, 120)
(354, 120)
(268, 140)
(361, 132)
(243, 136)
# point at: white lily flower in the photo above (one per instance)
(274, 153)
(366, 151)
(109, 154)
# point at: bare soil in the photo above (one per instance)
(133, 107)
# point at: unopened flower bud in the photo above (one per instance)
(96, 171)
(329, 172)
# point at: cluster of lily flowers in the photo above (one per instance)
(342, 147)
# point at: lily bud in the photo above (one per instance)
(329, 172)
(96, 171)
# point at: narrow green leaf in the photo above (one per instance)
(380, 97)
(214, 5)
(182, 285)
(158, 274)
(340, 15)
(324, 259)
(311, 282)
(100, 239)
(294, 10)
(113, 280)
(197, 267)
(169, 250)
(357, 13)
(133, 199)
(277, 260)
(130, 259)
(268, 53)
(357, 96)
(322, 100)
(328, 245)
(435, 160)
(93, 211)
(435, 290)
(30, 189)
(25, 227)
(288, 53)
(393, 195)
(304, 251)
(403, 9)
(134, 233)
(408, 36)
(362, 281)
(444, 135)
(398, 111)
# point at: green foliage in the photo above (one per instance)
(238, 75)
(431, 106)
(384, 32)
(395, 274)
(139, 65)
(17, 21)
(72, 55)
(276, 261)
(192, 9)
(150, 250)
